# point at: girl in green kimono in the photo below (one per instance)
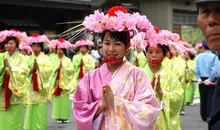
(167, 88)
(61, 85)
(82, 62)
(53, 54)
(13, 81)
(189, 79)
(40, 72)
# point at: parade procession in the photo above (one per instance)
(136, 76)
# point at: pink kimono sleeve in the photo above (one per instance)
(84, 106)
(142, 109)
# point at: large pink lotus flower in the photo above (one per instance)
(131, 24)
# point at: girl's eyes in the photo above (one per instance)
(106, 43)
(118, 44)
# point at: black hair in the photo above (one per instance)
(64, 50)
(205, 4)
(192, 56)
(2, 46)
(11, 38)
(41, 46)
(123, 36)
(164, 48)
(78, 48)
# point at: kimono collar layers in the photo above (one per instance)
(105, 71)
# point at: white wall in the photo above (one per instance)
(160, 12)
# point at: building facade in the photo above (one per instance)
(179, 16)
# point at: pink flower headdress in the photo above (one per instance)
(36, 38)
(169, 35)
(165, 37)
(25, 46)
(192, 51)
(137, 41)
(117, 19)
(198, 45)
(60, 43)
(12, 33)
(83, 42)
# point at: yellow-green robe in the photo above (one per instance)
(36, 116)
(61, 104)
(12, 118)
(89, 64)
(178, 67)
(189, 86)
(171, 103)
(141, 59)
(167, 63)
(53, 57)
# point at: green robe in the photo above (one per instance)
(189, 86)
(167, 63)
(36, 116)
(53, 57)
(89, 64)
(168, 118)
(12, 118)
(61, 104)
(178, 67)
(141, 59)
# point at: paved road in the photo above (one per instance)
(191, 121)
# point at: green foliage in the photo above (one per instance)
(192, 34)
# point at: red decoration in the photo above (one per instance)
(156, 62)
(81, 71)
(137, 62)
(115, 60)
(83, 39)
(157, 29)
(111, 11)
(61, 39)
(7, 91)
(35, 35)
(58, 90)
(13, 29)
(35, 82)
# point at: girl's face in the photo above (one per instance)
(112, 48)
(83, 49)
(36, 48)
(60, 52)
(154, 56)
(10, 46)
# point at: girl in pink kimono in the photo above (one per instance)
(117, 95)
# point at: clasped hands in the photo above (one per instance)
(6, 64)
(107, 97)
(35, 67)
(156, 86)
(60, 66)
